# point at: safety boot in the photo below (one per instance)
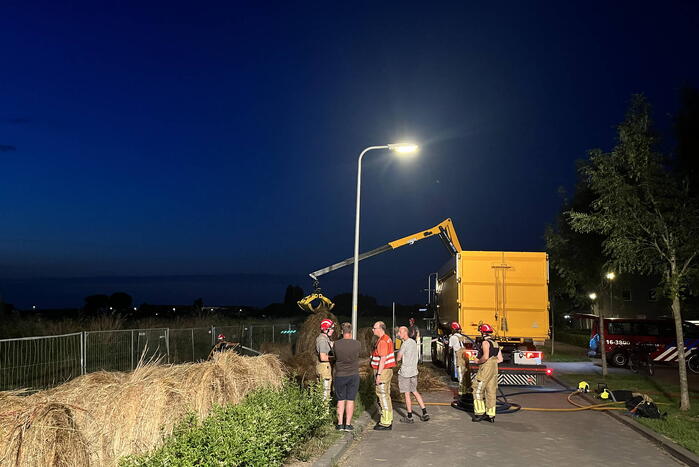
(478, 418)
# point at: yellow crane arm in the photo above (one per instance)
(444, 229)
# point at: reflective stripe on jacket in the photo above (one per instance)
(390, 361)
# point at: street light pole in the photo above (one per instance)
(401, 148)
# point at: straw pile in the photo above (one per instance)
(366, 338)
(281, 350)
(39, 434)
(306, 341)
(114, 414)
(429, 379)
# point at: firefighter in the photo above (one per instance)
(323, 348)
(456, 344)
(222, 345)
(486, 384)
(383, 360)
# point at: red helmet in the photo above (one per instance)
(221, 337)
(411, 321)
(486, 329)
(455, 326)
(326, 324)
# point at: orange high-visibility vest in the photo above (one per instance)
(390, 361)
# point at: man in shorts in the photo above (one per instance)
(346, 377)
(407, 376)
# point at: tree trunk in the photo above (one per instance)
(684, 392)
(602, 343)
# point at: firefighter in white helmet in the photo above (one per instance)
(324, 346)
(486, 382)
(456, 344)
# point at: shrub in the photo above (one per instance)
(261, 430)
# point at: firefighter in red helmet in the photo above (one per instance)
(324, 345)
(485, 386)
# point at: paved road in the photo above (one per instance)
(522, 439)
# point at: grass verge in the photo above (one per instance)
(565, 353)
(680, 427)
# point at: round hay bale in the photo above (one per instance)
(303, 366)
(39, 434)
(366, 339)
(282, 350)
(111, 415)
(306, 341)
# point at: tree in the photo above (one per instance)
(120, 301)
(649, 221)
(576, 259)
(96, 303)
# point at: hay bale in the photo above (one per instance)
(306, 341)
(280, 349)
(366, 339)
(39, 434)
(124, 414)
(303, 365)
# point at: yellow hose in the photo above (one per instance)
(579, 408)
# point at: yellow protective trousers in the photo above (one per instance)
(463, 372)
(485, 388)
(383, 396)
(325, 375)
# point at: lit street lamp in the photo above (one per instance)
(400, 148)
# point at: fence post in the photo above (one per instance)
(192, 344)
(273, 334)
(167, 343)
(289, 334)
(82, 352)
(213, 335)
(251, 337)
(132, 367)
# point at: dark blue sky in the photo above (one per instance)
(221, 137)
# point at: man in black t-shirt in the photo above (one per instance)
(346, 377)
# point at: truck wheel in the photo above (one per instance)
(619, 359)
(693, 363)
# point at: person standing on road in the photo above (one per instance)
(383, 360)
(346, 352)
(414, 333)
(407, 376)
(486, 384)
(323, 348)
(463, 372)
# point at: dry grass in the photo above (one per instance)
(306, 341)
(366, 338)
(39, 434)
(100, 417)
(282, 350)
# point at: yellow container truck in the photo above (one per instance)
(508, 290)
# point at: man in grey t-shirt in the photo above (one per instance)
(407, 375)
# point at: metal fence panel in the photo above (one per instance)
(190, 344)
(122, 350)
(43, 362)
(39, 362)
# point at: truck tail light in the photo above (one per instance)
(549, 371)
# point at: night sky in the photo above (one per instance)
(220, 138)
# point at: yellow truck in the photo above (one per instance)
(508, 290)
